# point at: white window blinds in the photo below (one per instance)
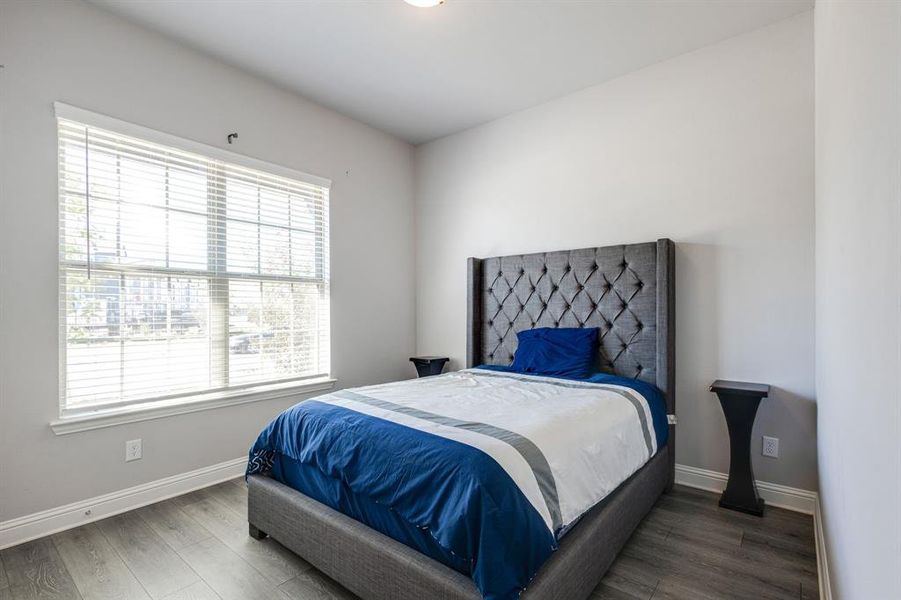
(182, 274)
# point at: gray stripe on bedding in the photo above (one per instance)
(526, 448)
(629, 395)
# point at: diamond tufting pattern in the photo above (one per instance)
(612, 288)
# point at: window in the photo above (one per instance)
(183, 274)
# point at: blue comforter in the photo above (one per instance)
(441, 497)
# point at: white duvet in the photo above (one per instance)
(566, 444)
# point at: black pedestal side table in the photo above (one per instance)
(740, 401)
(429, 365)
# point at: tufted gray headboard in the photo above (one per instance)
(628, 292)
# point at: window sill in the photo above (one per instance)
(97, 419)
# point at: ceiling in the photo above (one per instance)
(423, 73)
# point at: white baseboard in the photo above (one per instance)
(30, 527)
(782, 496)
(803, 501)
(822, 558)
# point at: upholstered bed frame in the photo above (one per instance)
(629, 293)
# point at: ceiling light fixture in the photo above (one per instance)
(424, 3)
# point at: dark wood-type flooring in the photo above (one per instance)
(196, 547)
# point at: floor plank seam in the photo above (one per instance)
(225, 543)
(181, 589)
(123, 560)
(78, 590)
(4, 578)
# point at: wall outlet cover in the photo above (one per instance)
(770, 446)
(133, 450)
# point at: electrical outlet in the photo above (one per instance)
(133, 450)
(771, 446)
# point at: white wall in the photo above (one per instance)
(78, 54)
(858, 258)
(713, 149)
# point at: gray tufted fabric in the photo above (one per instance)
(627, 292)
(612, 288)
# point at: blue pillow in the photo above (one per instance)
(557, 352)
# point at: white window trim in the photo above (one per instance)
(86, 117)
(158, 409)
(88, 419)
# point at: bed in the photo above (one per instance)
(627, 292)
